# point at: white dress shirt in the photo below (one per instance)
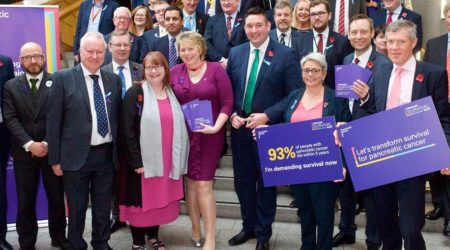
(315, 41)
(126, 72)
(192, 20)
(336, 16)
(409, 70)
(363, 60)
(96, 138)
(95, 23)
(287, 38)
(251, 58)
(395, 13)
(233, 19)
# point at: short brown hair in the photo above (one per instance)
(361, 17)
(195, 38)
(319, 2)
(256, 11)
(157, 58)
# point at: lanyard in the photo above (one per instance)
(94, 15)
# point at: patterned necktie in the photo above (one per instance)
(341, 27)
(122, 80)
(100, 109)
(229, 29)
(33, 82)
(172, 53)
(389, 19)
(394, 97)
(187, 23)
(356, 61)
(251, 84)
(320, 44)
(282, 41)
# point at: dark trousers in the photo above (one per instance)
(400, 213)
(315, 204)
(372, 237)
(138, 234)
(94, 178)
(258, 203)
(27, 175)
(4, 153)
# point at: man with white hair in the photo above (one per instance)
(82, 121)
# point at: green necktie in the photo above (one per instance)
(33, 82)
(251, 84)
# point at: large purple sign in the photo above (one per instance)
(394, 145)
(301, 152)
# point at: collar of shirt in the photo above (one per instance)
(233, 19)
(86, 72)
(395, 14)
(115, 65)
(409, 65)
(186, 15)
(325, 34)
(39, 77)
(262, 48)
(364, 58)
(162, 31)
(100, 4)
(288, 33)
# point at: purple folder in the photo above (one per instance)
(345, 75)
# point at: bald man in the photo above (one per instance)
(24, 110)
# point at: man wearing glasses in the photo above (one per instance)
(323, 40)
(25, 109)
(122, 19)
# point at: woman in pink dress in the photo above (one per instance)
(197, 79)
(157, 146)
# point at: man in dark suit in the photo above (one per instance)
(342, 11)
(283, 33)
(129, 72)
(173, 19)
(400, 205)
(274, 72)
(122, 19)
(437, 53)
(82, 120)
(152, 35)
(194, 20)
(224, 31)
(322, 39)
(6, 73)
(94, 15)
(25, 109)
(361, 33)
(394, 11)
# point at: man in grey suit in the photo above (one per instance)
(129, 72)
(82, 121)
(283, 32)
(25, 104)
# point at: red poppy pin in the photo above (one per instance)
(332, 39)
(404, 14)
(139, 98)
(419, 77)
(1, 63)
(239, 19)
(270, 53)
(370, 64)
(200, 21)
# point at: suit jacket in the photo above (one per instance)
(278, 75)
(379, 18)
(69, 120)
(376, 61)
(162, 45)
(150, 36)
(434, 84)
(25, 115)
(294, 35)
(200, 22)
(333, 106)
(338, 46)
(138, 49)
(216, 36)
(105, 27)
(354, 7)
(436, 51)
(137, 71)
(6, 73)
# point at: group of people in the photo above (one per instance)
(111, 129)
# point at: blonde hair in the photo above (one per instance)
(195, 38)
(295, 23)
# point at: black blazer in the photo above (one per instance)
(338, 45)
(376, 61)
(200, 22)
(6, 73)
(105, 27)
(379, 18)
(138, 49)
(436, 51)
(69, 120)
(217, 38)
(25, 115)
(150, 36)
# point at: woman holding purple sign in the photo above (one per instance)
(197, 79)
(156, 143)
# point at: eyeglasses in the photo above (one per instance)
(125, 18)
(121, 45)
(313, 71)
(139, 15)
(31, 57)
(151, 68)
(318, 14)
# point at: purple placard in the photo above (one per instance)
(409, 141)
(346, 75)
(202, 113)
(300, 152)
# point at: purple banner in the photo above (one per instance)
(301, 152)
(409, 142)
